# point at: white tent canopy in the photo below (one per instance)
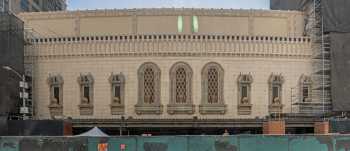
(94, 132)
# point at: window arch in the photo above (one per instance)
(244, 94)
(212, 89)
(86, 82)
(56, 95)
(181, 89)
(275, 93)
(117, 93)
(149, 89)
(305, 84)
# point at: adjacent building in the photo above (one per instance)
(11, 55)
(4, 5)
(169, 69)
(17, 6)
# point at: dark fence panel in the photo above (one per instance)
(37, 128)
(179, 143)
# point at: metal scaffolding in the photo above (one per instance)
(320, 103)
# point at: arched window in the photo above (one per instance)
(275, 93)
(305, 84)
(86, 82)
(149, 89)
(117, 90)
(212, 89)
(181, 89)
(56, 95)
(244, 94)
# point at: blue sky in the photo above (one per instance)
(110, 4)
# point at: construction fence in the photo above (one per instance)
(179, 143)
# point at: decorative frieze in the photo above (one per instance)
(170, 45)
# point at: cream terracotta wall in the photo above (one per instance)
(102, 67)
(104, 25)
(224, 25)
(156, 24)
(160, 21)
(102, 57)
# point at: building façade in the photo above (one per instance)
(156, 70)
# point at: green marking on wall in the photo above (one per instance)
(180, 24)
(195, 24)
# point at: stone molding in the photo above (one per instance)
(159, 12)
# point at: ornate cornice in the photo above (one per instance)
(157, 12)
(169, 45)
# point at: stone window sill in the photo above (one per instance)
(86, 109)
(245, 109)
(56, 109)
(149, 109)
(117, 109)
(212, 109)
(276, 108)
(181, 108)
